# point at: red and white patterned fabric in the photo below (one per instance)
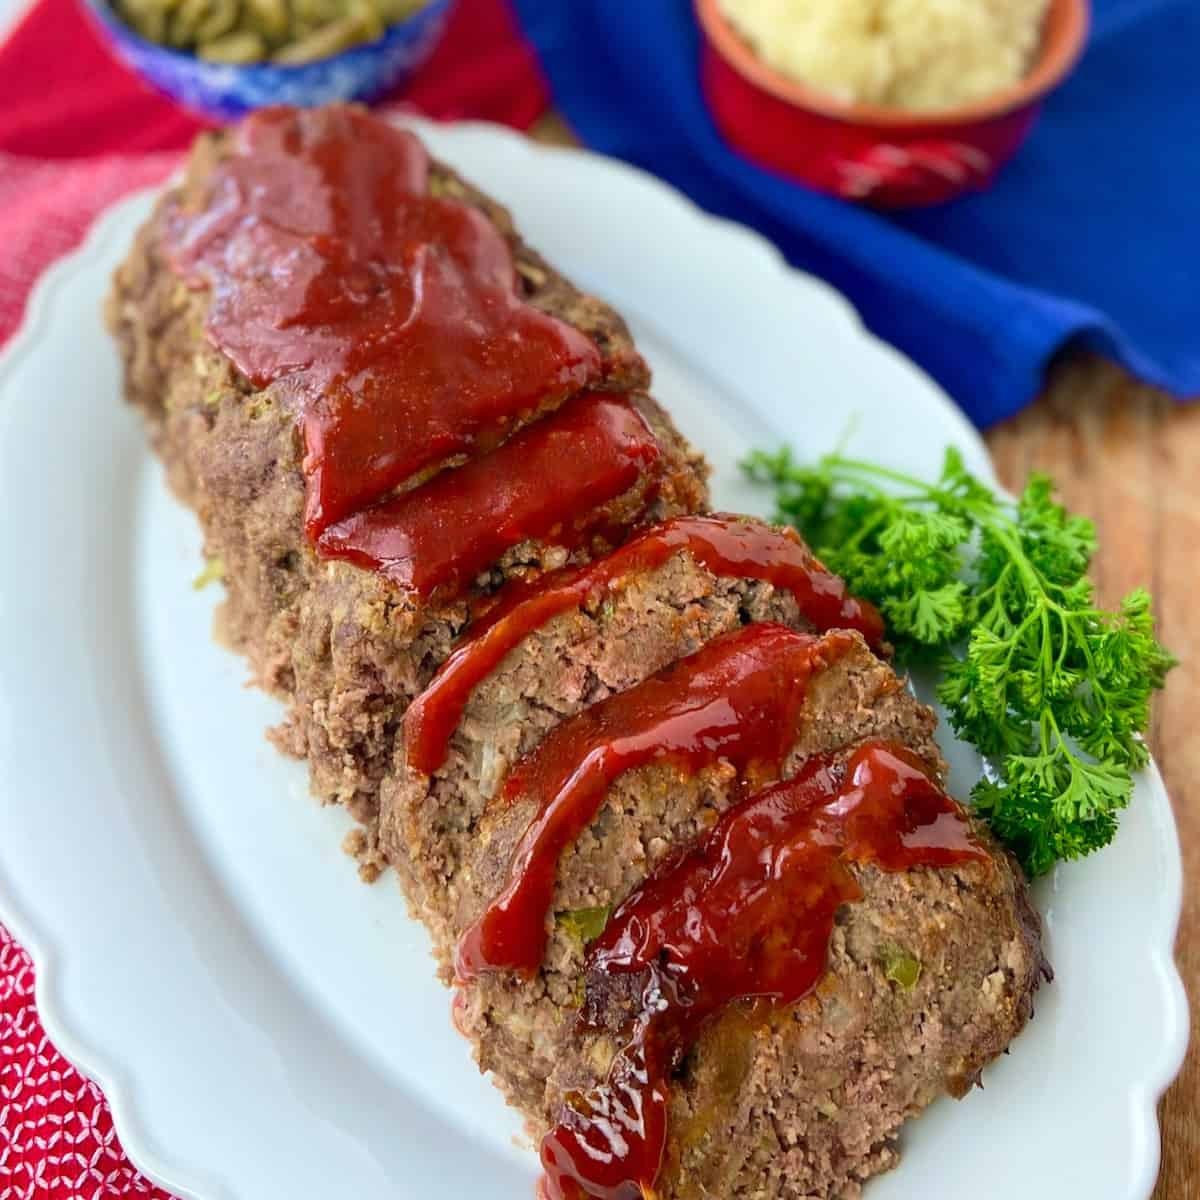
(56, 1133)
(77, 133)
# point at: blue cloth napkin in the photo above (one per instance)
(1091, 234)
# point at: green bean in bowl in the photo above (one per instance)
(247, 31)
(224, 58)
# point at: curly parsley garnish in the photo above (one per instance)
(1054, 691)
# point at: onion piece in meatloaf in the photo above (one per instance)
(799, 1102)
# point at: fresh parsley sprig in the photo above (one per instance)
(1053, 690)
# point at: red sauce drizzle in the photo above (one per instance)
(546, 482)
(725, 545)
(745, 913)
(737, 698)
(392, 314)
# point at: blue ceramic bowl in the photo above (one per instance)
(227, 92)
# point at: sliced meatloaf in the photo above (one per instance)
(802, 1102)
(789, 1102)
(344, 647)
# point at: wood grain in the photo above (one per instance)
(1129, 457)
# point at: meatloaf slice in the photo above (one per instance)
(798, 1103)
(345, 648)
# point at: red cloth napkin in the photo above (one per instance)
(77, 132)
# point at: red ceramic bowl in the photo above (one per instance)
(881, 156)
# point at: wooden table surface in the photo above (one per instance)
(1129, 457)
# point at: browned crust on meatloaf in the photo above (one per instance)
(345, 647)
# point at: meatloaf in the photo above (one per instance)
(790, 1101)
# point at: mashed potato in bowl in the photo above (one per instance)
(919, 55)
